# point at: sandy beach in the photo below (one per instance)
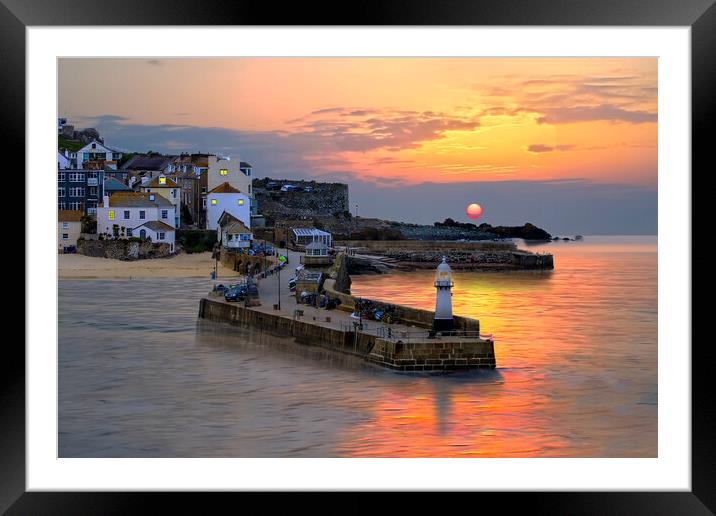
(76, 266)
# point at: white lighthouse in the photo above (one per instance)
(443, 298)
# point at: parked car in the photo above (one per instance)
(234, 294)
(308, 189)
(272, 185)
(287, 188)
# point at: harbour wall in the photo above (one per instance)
(403, 314)
(437, 354)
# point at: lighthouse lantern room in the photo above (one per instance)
(443, 298)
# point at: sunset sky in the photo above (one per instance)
(569, 144)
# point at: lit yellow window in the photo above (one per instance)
(111, 214)
(213, 202)
(162, 180)
(241, 202)
(224, 172)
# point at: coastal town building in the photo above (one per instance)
(142, 168)
(98, 153)
(316, 253)
(63, 160)
(226, 198)
(170, 190)
(69, 227)
(223, 169)
(158, 232)
(125, 214)
(232, 233)
(80, 189)
(192, 207)
(301, 237)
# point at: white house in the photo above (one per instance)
(95, 151)
(63, 161)
(124, 213)
(232, 233)
(226, 198)
(170, 190)
(223, 169)
(158, 232)
(69, 226)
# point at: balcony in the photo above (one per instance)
(91, 211)
(92, 181)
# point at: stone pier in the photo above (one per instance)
(401, 348)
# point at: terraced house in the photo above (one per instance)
(170, 190)
(145, 215)
(80, 189)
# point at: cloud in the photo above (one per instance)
(565, 99)
(592, 113)
(361, 130)
(540, 147)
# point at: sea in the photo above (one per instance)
(576, 348)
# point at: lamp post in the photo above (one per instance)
(279, 286)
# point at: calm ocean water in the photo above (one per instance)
(140, 376)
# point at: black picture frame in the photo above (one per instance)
(700, 15)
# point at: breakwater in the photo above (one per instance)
(397, 347)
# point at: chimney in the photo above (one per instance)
(105, 200)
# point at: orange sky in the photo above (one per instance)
(405, 120)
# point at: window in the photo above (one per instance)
(92, 190)
(65, 236)
(94, 145)
(174, 193)
(249, 189)
(76, 206)
(161, 236)
(126, 214)
(77, 192)
(92, 175)
(142, 214)
(164, 214)
(241, 202)
(224, 172)
(203, 202)
(110, 214)
(213, 202)
(162, 180)
(61, 191)
(61, 176)
(65, 225)
(129, 232)
(63, 206)
(77, 177)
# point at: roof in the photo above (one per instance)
(156, 225)
(243, 164)
(225, 188)
(231, 224)
(316, 244)
(154, 183)
(309, 232)
(113, 184)
(138, 200)
(148, 163)
(69, 215)
(309, 276)
(100, 144)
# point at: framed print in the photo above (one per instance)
(428, 248)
